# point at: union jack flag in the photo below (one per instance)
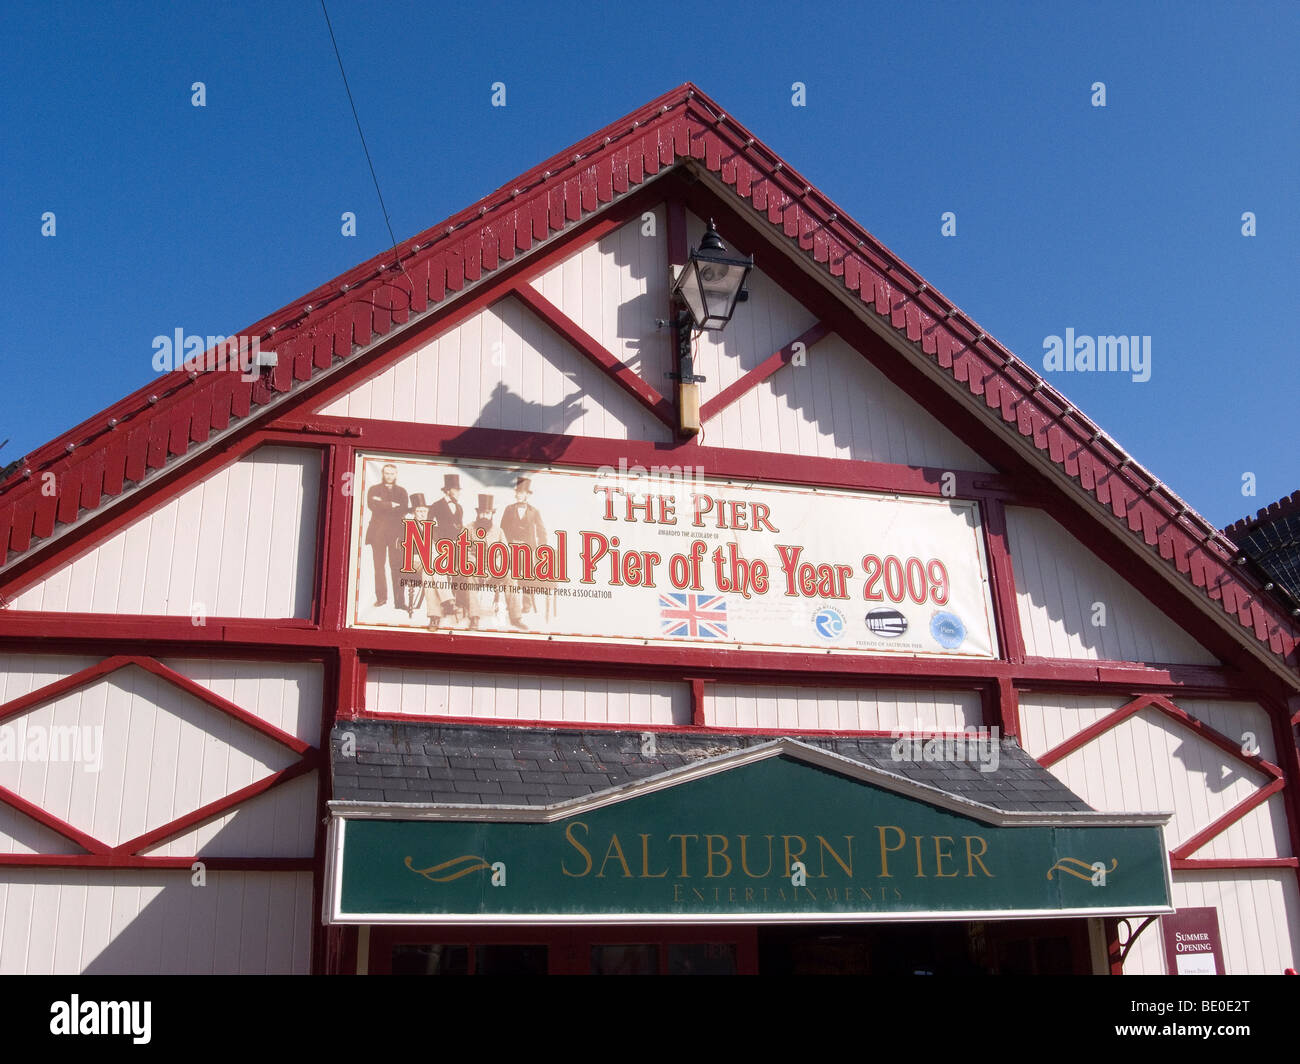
(693, 616)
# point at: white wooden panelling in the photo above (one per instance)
(505, 696)
(242, 543)
(288, 695)
(69, 921)
(1153, 763)
(20, 674)
(22, 834)
(278, 823)
(501, 369)
(1259, 921)
(1058, 580)
(840, 708)
(161, 751)
(835, 406)
(838, 406)
(616, 288)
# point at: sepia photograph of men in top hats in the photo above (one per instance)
(522, 523)
(388, 506)
(483, 598)
(449, 522)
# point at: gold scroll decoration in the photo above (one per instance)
(1079, 869)
(457, 867)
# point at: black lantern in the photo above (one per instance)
(712, 282)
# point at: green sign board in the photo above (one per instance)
(775, 837)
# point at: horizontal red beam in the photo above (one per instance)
(27, 631)
(761, 372)
(1192, 864)
(699, 728)
(593, 452)
(123, 860)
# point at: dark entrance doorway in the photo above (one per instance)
(1022, 947)
(1016, 947)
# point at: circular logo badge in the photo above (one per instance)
(829, 623)
(947, 629)
(887, 623)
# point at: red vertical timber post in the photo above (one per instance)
(1004, 700)
(697, 702)
(340, 680)
(675, 238)
(1280, 712)
(1112, 946)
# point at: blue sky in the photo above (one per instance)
(1117, 220)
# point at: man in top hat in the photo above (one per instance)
(482, 600)
(521, 523)
(449, 517)
(388, 505)
(414, 584)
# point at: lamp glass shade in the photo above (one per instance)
(711, 282)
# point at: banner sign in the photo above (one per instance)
(1192, 945)
(650, 557)
(773, 836)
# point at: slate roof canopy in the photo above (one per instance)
(433, 764)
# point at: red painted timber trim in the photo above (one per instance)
(323, 501)
(59, 688)
(95, 530)
(594, 452)
(696, 727)
(1230, 817)
(1056, 753)
(1192, 864)
(1006, 706)
(1003, 580)
(86, 842)
(992, 374)
(352, 685)
(217, 702)
(761, 372)
(675, 234)
(330, 702)
(216, 808)
(697, 702)
(162, 637)
(1217, 738)
(126, 860)
(577, 337)
(523, 270)
(1288, 749)
(333, 549)
(1114, 954)
(682, 123)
